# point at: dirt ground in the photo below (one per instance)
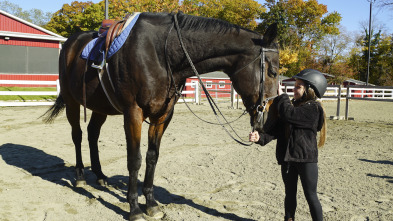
(201, 175)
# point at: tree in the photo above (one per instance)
(332, 56)
(82, 16)
(385, 3)
(239, 12)
(72, 18)
(385, 61)
(302, 25)
(35, 16)
(381, 58)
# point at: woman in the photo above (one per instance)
(295, 124)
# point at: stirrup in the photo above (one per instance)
(100, 66)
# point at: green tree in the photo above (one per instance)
(381, 58)
(383, 71)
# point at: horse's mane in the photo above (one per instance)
(190, 22)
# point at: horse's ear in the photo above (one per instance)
(270, 35)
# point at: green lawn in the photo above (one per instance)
(26, 97)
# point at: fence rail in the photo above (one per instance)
(24, 93)
(333, 92)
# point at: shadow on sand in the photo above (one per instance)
(385, 162)
(53, 169)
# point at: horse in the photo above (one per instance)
(146, 77)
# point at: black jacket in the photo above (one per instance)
(295, 130)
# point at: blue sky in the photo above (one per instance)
(354, 12)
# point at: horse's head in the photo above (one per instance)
(258, 83)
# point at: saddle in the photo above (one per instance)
(110, 29)
(111, 37)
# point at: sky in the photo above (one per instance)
(353, 12)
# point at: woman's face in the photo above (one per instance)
(299, 89)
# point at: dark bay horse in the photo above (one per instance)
(147, 73)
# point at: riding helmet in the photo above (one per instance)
(315, 79)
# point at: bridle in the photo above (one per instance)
(259, 107)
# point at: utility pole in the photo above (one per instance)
(106, 9)
(369, 40)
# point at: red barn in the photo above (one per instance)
(218, 84)
(27, 51)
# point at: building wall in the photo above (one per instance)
(30, 42)
(28, 60)
(217, 87)
(11, 25)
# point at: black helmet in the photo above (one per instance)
(316, 80)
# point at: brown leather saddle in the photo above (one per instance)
(113, 28)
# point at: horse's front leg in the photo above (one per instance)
(133, 119)
(156, 130)
(93, 130)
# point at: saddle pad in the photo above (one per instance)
(94, 50)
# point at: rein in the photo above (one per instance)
(213, 105)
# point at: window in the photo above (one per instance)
(221, 84)
(194, 83)
(209, 84)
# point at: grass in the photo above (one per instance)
(27, 97)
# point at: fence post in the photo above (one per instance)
(237, 100)
(58, 87)
(338, 102)
(347, 101)
(197, 93)
(232, 96)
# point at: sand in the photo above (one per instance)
(202, 174)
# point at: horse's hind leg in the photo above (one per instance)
(93, 132)
(73, 117)
(156, 130)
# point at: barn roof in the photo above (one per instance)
(356, 82)
(222, 75)
(41, 33)
(214, 74)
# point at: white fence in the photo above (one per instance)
(333, 92)
(21, 93)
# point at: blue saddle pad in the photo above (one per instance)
(94, 50)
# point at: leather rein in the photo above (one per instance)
(261, 104)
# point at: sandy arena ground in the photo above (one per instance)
(201, 175)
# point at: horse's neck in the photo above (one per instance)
(211, 51)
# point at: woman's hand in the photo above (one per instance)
(253, 136)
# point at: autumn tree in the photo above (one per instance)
(239, 12)
(302, 25)
(381, 58)
(82, 16)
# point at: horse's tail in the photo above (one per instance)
(59, 105)
(50, 115)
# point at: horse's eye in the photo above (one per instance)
(272, 72)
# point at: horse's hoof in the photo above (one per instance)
(80, 183)
(154, 212)
(102, 182)
(137, 217)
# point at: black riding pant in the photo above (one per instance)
(308, 173)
